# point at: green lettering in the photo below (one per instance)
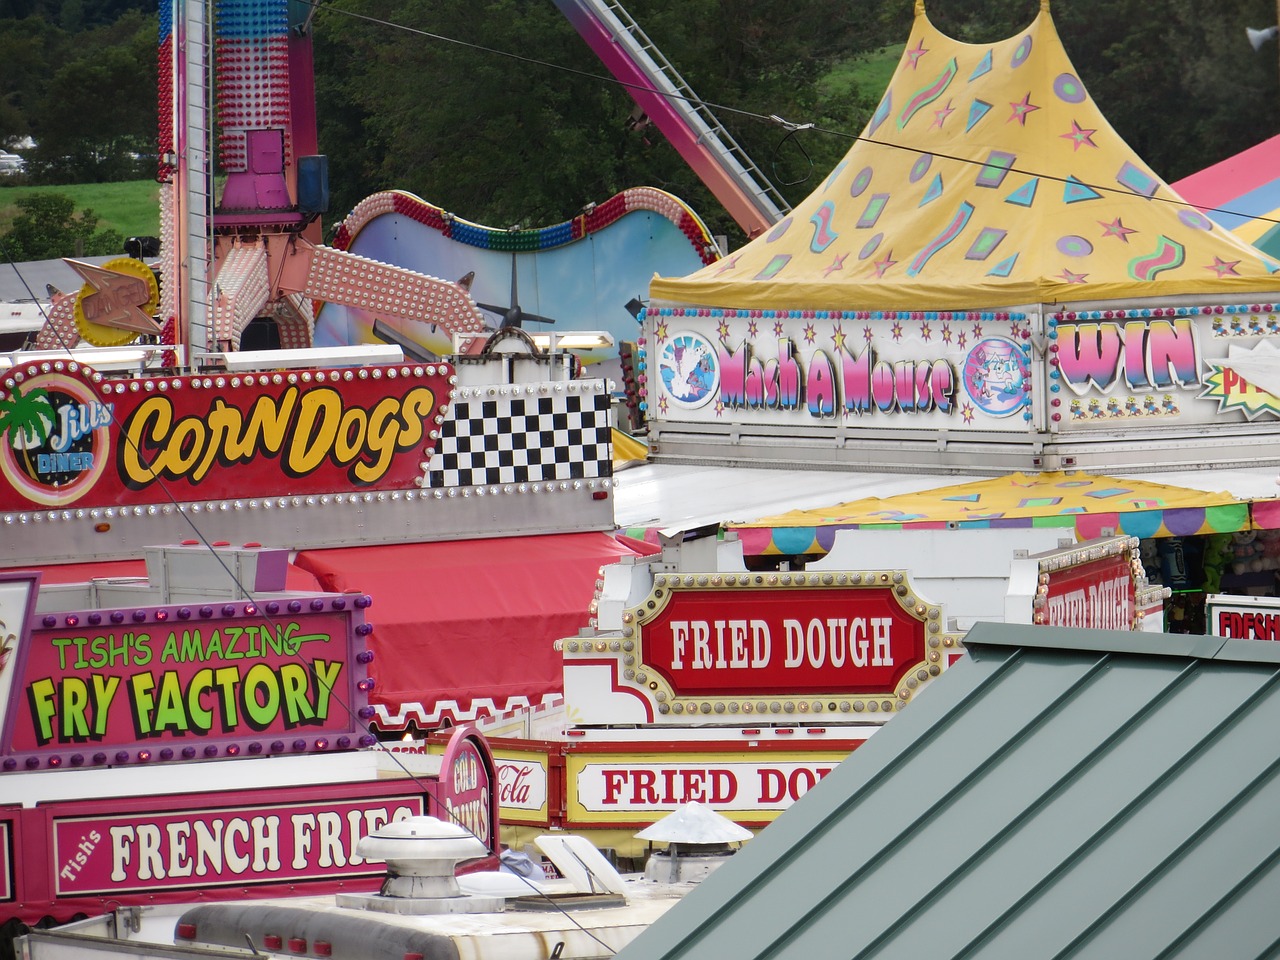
(326, 672)
(141, 689)
(41, 694)
(296, 706)
(191, 647)
(61, 643)
(75, 699)
(232, 636)
(201, 717)
(104, 691)
(261, 696)
(226, 679)
(169, 713)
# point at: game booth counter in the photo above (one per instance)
(701, 680)
(167, 743)
(989, 281)
(1195, 542)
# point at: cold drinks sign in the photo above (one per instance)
(720, 646)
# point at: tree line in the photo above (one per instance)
(498, 111)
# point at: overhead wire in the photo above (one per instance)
(790, 128)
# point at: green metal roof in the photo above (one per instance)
(1056, 793)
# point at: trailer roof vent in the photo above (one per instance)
(422, 856)
(698, 841)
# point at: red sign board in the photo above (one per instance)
(1099, 594)
(177, 682)
(765, 642)
(219, 846)
(468, 796)
(6, 860)
(70, 436)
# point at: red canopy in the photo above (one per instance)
(466, 628)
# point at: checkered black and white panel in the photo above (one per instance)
(529, 437)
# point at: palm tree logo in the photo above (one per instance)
(28, 419)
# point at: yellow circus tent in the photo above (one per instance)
(987, 177)
(1086, 505)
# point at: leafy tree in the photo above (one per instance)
(27, 47)
(98, 111)
(531, 137)
(48, 228)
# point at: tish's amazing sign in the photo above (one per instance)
(181, 683)
(70, 436)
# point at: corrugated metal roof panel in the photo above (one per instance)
(1058, 793)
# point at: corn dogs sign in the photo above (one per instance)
(69, 436)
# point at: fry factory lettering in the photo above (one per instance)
(214, 680)
(305, 428)
(79, 709)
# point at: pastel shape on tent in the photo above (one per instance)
(1025, 195)
(934, 190)
(860, 182)
(773, 267)
(927, 94)
(965, 497)
(755, 540)
(1074, 191)
(984, 243)
(1168, 255)
(793, 540)
(1092, 525)
(1141, 523)
(777, 232)
(826, 535)
(951, 231)
(870, 246)
(1139, 181)
(920, 167)
(1195, 220)
(1021, 52)
(995, 168)
(831, 178)
(1074, 246)
(977, 110)
(984, 66)
(1108, 492)
(875, 207)
(823, 235)
(1068, 88)
(882, 112)
(1185, 521)
(1029, 502)
(1004, 267)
